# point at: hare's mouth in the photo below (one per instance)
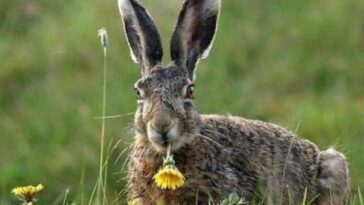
(165, 144)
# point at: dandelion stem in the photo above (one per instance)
(169, 150)
(65, 197)
(102, 127)
(104, 41)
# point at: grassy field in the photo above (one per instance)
(292, 63)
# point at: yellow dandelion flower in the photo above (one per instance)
(26, 193)
(133, 202)
(169, 177)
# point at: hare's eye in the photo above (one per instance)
(139, 93)
(189, 92)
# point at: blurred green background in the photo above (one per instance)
(294, 63)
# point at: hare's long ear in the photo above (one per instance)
(142, 34)
(194, 32)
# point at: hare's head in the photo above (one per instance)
(166, 114)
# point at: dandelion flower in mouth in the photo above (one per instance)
(26, 193)
(169, 177)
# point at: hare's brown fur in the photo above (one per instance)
(239, 157)
(217, 154)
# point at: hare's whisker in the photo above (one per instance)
(211, 140)
(121, 154)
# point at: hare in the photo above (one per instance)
(218, 154)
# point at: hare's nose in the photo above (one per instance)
(162, 127)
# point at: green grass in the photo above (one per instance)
(286, 62)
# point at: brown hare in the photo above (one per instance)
(217, 154)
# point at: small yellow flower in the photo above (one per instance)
(133, 202)
(26, 193)
(169, 177)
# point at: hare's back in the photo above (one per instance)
(236, 130)
(232, 131)
(267, 153)
(261, 146)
